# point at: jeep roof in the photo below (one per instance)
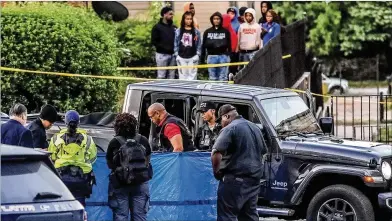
(212, 89)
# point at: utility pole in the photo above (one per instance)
(378, 74)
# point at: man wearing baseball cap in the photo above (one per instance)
(208, 132)
(39, 126)
(237, 164)
(74, 153)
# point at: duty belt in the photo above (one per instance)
(71, 170)
(240, 179)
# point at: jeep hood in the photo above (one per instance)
(355, 152)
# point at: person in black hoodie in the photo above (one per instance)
(217, 45)
(162, 37)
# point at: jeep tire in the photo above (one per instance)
(356, 203)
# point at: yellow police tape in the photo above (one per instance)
(133, 69)
(149, 79)
(193, 66)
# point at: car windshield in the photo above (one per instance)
(290, 114)
(31, 181)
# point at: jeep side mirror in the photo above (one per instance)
(326, 124)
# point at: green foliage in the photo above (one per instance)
(368, 22)
(60, 38)
(135, 36)
(322, 20)
(324, 41)
(341, 28)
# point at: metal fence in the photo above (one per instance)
(366, 117)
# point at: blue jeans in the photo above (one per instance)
(218, 73)
(134, 199)
(164, 60)
(247, 56)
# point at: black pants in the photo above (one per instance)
(237, 200)
(234, 57)
(79, 185)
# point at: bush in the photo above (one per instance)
(60, 38)
(135, 36)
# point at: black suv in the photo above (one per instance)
(31, 189)
(308, 173)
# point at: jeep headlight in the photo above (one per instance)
(386, 170)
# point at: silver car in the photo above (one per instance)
(335, 85)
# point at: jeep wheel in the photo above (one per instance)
(340, 203)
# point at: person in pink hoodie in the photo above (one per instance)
(249, 41)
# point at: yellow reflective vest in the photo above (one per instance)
(73, 154)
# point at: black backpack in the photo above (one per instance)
(130, 159)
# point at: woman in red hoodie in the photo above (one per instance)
(234, 41)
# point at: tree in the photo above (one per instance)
(368, 25)
(59, 38)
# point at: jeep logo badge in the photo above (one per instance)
(279, 185)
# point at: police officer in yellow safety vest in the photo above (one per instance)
(73, 153)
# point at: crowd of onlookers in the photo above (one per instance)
(233, 37)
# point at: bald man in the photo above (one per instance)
(174, 135)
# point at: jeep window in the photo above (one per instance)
(23, 181)
(290, 114)
(177, 105)
(245, 110)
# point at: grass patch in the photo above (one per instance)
(386, 135)
(367, 84)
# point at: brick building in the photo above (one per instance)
(203, 9)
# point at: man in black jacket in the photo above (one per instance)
(39, 126)
(173, 134)
(217, 44)
(162, 37)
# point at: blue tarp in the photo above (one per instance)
(183, 188)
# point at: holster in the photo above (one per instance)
(88, 179)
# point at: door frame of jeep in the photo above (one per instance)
(154, 96)
(137, 102)
(261, 121)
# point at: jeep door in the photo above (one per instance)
(281, 114)
(249, 111)
(177, 104)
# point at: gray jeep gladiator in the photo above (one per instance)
(308, 173)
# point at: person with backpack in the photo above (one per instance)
(74, 153)
(128, 157)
